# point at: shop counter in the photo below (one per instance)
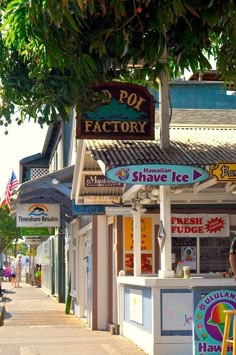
(158, 314)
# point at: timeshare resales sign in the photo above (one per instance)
(157, 174)
(38, 215)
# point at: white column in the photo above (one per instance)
(165, 218)
(137, 241)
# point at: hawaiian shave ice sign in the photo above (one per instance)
(40, 215)
(209, 321)
(118, 111)
(157, 174)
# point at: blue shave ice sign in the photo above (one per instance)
(157, 174)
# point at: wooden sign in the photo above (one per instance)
(100, 181)
(118, 111)
(224, 172)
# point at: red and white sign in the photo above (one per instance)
(200, 225)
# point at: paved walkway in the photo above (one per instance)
(36, 324)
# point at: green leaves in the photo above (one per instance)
(8, 229)
(52, 51)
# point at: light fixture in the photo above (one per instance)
(152, 197)
(141, 194)
(143, 210)
(55, 181)
(178, 190)
(155, 192)
(145, 201)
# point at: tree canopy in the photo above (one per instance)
(52, 51)
(8, 229)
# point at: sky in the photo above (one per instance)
(21, 141)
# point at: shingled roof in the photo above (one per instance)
(189, 145)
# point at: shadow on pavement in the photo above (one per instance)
(7, 315)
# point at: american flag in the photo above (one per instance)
(11, 185)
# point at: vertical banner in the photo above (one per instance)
(146, 245)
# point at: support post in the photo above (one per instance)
(165, 203)
(165, 217)
(137, 242)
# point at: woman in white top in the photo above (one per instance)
(18, 270)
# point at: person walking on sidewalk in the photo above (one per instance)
(18, 270)
(13, 273)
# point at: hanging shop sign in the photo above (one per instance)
(118, 111)
(38, 215)
(35, 231)
(157, 174)
(209, 321)
(100, 181)
(87, 209)
(200, 225)
(101, 200)
(224, 172)
(33, 241)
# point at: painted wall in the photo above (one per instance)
(199, 95)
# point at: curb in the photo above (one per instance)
(2, 314)
(2, 308)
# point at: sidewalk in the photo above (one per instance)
(36, 324)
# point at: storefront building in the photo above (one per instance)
(202, 227)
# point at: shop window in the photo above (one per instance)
(214, 254)
(185, 250)
(210, 253)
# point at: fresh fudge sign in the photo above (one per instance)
(209, 321)
(118, 111)
(157, 174)
(200, 225)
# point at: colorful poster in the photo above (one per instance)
(146, 234)
(146, 245)
(209, 321)
(177, 314)
(188, 257)
(136, 305)
(146, 263)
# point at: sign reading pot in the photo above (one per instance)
(157, 174)
(118, 111)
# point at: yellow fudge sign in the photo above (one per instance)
(224, 172)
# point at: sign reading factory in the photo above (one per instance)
(118, 111)
(38, 215)
(224, 172)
